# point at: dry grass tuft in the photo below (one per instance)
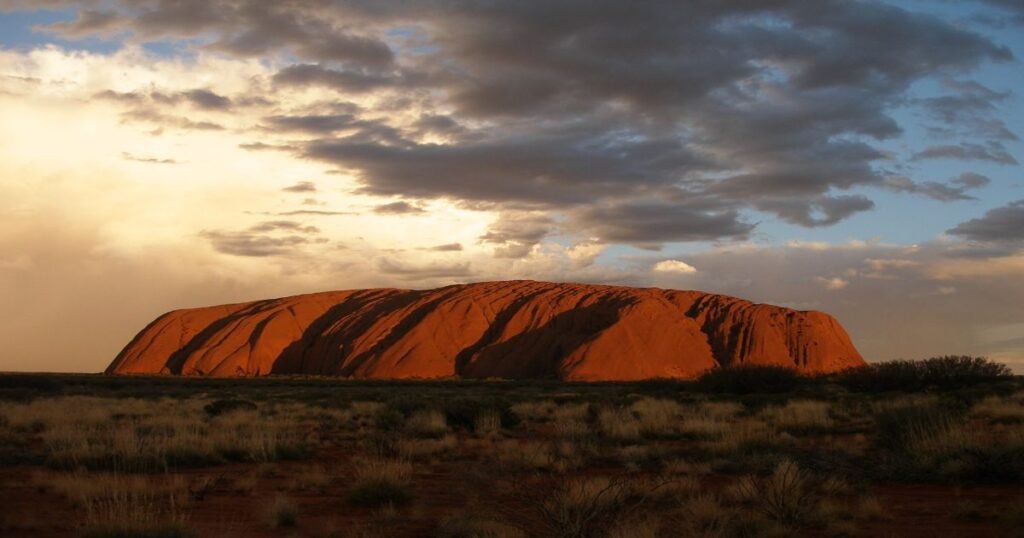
(380, 481)
(789, 496)
(429, 423)
(423, 449)
(115, 504)
(618, 424)
(798, 416)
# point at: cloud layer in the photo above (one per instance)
(270, 148)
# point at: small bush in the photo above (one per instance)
(750, 380)
(949, 372)
(580, 507)
(788, 497)
(464, 412)
(220, 407)
(380, 481)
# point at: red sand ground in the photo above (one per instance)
(515, 329)
(441, 489)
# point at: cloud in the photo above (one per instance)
(302, 186)
(312, 124)
(269, 238)
(404, 271)
(301, 212)
(650, 223)
(584, 254)
(151, 160)
(833, 283)
(967, 152)
(207, 100)
(999, 224)
(515, 234)
(822, 211)
(674, 266)
(955, 189)
(356, 81)
(776, 107)
(398, 208)
(447, 247)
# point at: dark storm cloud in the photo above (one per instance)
(822, 211)
(776, 105)
(398, 208)
(967, 152)
(564, 164)
(647, 224)
(349, 80)
(1000, 224)
(302, 186)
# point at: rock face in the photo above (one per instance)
(516, 329)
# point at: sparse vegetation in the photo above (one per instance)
(513, 459)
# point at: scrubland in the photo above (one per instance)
(846, 455)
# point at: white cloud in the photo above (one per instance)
(834, 283)
(808, 245)
(583, 254)
(674, 266)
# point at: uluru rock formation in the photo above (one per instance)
(515, 329)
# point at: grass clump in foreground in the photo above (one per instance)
(929, 442)
(379, 481)
(117, 505)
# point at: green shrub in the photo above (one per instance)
(750, 379)
(949, 372)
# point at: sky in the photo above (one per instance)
(856, 157)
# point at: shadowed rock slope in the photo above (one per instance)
(516, 329)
